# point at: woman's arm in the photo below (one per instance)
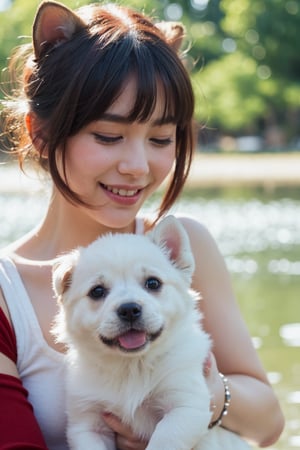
(254, 411)
(18, 426)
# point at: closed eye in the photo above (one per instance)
(105, 139)
(161, 142)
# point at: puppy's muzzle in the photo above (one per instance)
(133, 335)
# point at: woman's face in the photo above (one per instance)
(116, 165)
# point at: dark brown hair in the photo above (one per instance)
(72, 78)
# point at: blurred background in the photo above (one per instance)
(244, 185)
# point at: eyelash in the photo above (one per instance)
(107, 139)
(113, 139)
(162, 142)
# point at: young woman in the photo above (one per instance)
(108, 114)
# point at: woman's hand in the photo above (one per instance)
(215, 386)
(125, 439)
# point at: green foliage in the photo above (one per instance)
(14, 26)
(266, 30)
(228, 80)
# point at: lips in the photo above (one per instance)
(121, 191)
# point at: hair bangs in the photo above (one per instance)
(109, 70)
(179, 97)
(157, 82)
(152, 64)
(146, 89)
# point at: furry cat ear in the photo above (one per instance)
(172, 237)
(174, 33)
(54, 23)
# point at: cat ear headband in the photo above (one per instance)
(54, 24)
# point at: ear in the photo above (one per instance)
(172, 237)
(33, 127)
(30, 125)
(174, 33)
(54, 23)
(62, 272)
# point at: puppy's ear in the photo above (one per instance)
(62, 272)
(174, 33)
(54, 24)
(172, 237)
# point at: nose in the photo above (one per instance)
(129, 312)
(134, 160)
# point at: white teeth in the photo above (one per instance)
(122, 192)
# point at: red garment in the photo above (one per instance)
(19, 429)
(8, 344)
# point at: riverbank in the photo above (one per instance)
(261, 169)
(208, 170)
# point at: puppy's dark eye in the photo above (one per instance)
(153, 284)
(97, 292)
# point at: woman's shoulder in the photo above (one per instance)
(191, 224)
(204, 246)
(198, 233)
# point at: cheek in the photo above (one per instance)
(74, 158)
(79, 159)
(164, 162)
(84, 163)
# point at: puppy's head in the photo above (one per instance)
(123, 291)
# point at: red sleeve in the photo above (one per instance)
(19, 429)
(18, 426)
(8, 344)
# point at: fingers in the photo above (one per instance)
(127, 444)
(125, 439)
(207, 364)
(114, 423)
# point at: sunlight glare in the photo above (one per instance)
(5, 5)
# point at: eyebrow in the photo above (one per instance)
(124, 119)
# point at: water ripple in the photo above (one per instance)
(249, 226)
(290, 334)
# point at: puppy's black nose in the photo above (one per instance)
(129, 312)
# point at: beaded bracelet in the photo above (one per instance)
(227, 399)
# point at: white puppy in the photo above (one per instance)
(136, 347)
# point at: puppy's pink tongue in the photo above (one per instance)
(132, 339)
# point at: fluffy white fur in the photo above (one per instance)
(136, 347)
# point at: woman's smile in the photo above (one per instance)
(122, 195)
(123, 192)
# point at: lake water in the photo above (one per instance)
(259, 236)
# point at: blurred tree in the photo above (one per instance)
(268, 33)
(14, 26)
(266, 30)
(223, 96)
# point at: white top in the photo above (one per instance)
(41, 368)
